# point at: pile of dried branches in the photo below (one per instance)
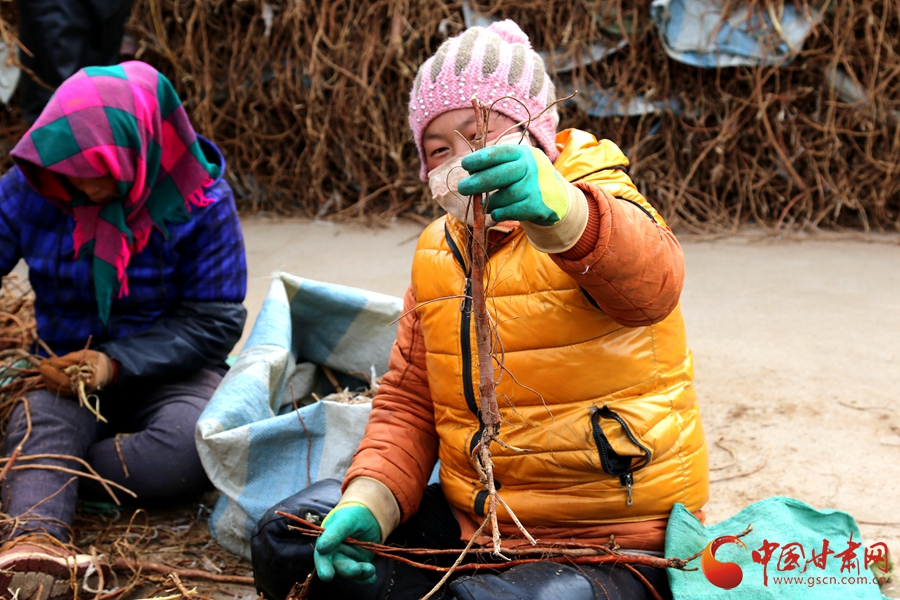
(12, 128)
(308, 101)
(11, 125)
(18, 332)
(781, 146)
(164, 553)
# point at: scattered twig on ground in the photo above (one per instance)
(101, 580)
(176, 581)
(134, 566)
(745, 473)
(729, 451)
(865, 408)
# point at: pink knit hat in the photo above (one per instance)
(487, 63)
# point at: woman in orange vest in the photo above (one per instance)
(583, 279)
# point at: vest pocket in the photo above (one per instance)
(618, 463)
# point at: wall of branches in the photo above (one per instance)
(308, 101)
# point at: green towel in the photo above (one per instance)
(780, 521)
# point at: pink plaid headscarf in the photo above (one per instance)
(124, 121)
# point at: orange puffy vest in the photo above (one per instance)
(607, 413)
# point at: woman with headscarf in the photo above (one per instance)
(136, 257)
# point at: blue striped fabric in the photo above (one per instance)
(251, 441)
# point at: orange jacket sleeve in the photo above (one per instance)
(400, 444)
(627, 260)
(634, 269)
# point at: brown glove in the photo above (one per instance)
(59, 382)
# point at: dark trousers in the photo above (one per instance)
(147, 447)
(282, 557)
(64, 36)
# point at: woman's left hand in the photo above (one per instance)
(525, 185)
(333, 557)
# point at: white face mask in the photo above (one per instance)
(444, 182)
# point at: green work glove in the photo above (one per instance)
(332, 556)
(525, 185)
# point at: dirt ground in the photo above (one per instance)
(796, 344)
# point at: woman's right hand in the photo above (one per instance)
(523, 183)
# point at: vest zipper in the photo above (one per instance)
(611, 461)
(466, 349)
(628, 481)
(465, 330)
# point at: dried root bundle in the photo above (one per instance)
(80, 375)
(566, 553)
